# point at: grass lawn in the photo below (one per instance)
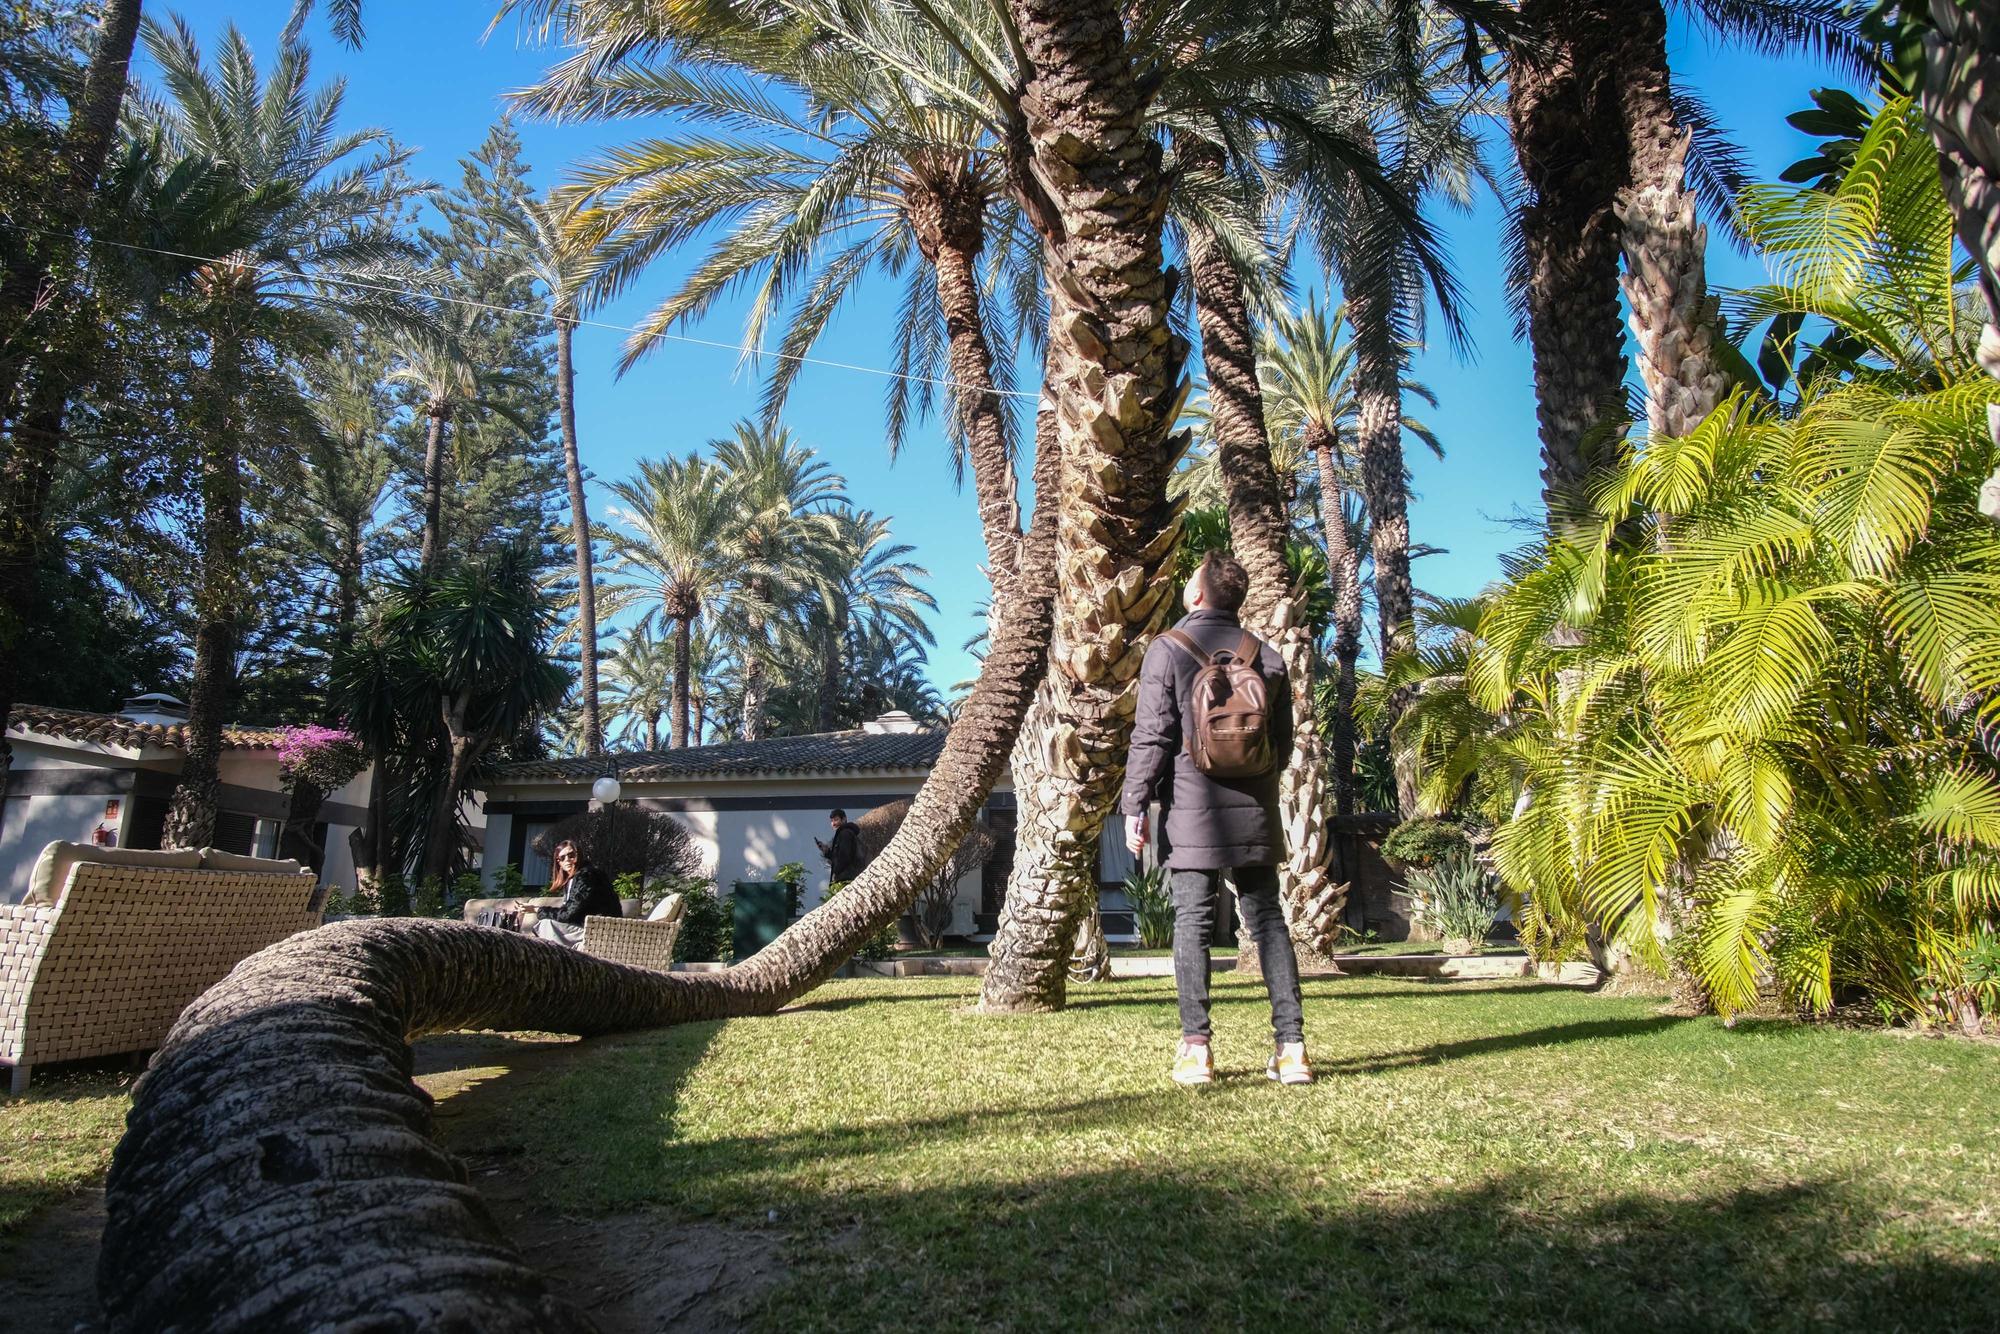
(1476, 1155)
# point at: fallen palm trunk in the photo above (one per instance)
(277, 1170)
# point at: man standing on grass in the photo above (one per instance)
(1213, 731)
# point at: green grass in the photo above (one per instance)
(1503, 1156)
(57, 1137)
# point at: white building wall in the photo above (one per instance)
(32, 823)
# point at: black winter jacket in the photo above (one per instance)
(589, 894)
(1210, 823)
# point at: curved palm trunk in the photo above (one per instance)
(1961, 101)
(1563, 102)
(1259, 529)
(1665, 279)
(191, 816)
(296, 1069)
(1113, 382)
(1343, 565)
(683, 666)
(586, 591)
(427, 549)
(952, 239)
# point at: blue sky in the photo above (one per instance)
(428, 75)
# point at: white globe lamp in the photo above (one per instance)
(606, 789)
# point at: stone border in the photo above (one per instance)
(1445, 967)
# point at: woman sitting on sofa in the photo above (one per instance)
(586, 892)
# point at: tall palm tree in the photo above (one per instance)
(1603, 140)
(786, 537)
(873, 596)
(279, 294)
(639, 684)
(676, 557)
(1307, 370)
(830, 166)
(346, 470)
(561, 267)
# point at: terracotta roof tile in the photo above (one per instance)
(818, 754)
(111, 729)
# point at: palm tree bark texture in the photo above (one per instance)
(1961, 101)
(1564, 104)
(280, 1112)
(1343, 568)
(947, 210)
(1259, 529)
(1665, 281)
(1113, 378)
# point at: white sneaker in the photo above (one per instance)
(1289, 1065)
(1194, 1063)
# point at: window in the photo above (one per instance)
(534, 863)
(235, 832)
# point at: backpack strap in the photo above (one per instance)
(1250, 650)
(1183, 641)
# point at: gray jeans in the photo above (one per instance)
(1195, 897)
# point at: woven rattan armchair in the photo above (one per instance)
(641, 942)
(111, 963)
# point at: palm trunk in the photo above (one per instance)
(1563, 102)
(756, 671)
(952, 227)
(463, 750)
(1665, 280)
(347, 606)
(298, 1065)
(191, 816)
(829, 678)
(653, 729)
(1343, 565)
(683, 666)
(1259, 529)
(25, 286)
(427, 550)
(1113, 379)
(586, 591)
(1961, 101)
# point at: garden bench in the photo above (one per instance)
(110, 945)
(642, 942)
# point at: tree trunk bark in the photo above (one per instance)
(191, 815)
(354, 565)
(87, 140)
(683, 667)
(296, 1069)
(1564, 106)
(756, 671)
(1113, 380)
(1961, 102)
(1259, 528)
(953, 243)
(427, 550)
(441, 843)
(586, 591)
(1665, 279)
(829, 678)
(1343, 565)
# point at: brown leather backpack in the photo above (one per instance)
(1228, 727)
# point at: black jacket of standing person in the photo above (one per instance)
(588, 894)
(1211, 823)
(843, 856)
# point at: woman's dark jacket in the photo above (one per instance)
(589, 894)
(1211, 823)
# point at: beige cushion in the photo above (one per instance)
(51, 873)
(665, 908)
(215, 859)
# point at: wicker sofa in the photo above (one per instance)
(642, 942)
(111, 945)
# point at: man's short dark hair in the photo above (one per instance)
(1224, 582)
(836, 814)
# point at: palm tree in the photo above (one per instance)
(639, 684)
(1308, 374)
(866, 174)
(1603, 140)
(345, 470)
(280, 292)
(786, 538)
(874, 598)
(676, 557)
(561, 268)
